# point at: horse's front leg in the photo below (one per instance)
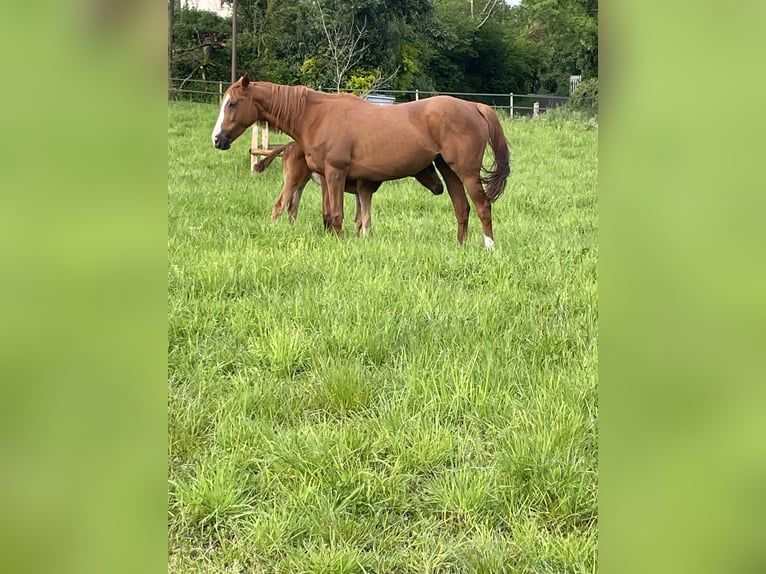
(325, 200)
(336, 183)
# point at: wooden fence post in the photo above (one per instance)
(535, 109)
(417, 95)
(254, 146)
(257, 151)
(220, 92)
(511, 108)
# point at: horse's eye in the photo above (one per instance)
(233, 104)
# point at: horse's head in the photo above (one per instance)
(236, 115)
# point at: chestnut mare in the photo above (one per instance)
(296, 174)
(346, 137)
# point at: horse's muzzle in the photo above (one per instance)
(221, 141)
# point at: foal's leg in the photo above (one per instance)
(290, 197)
(364, 191)
(295, 174)
(457, 195)
(295, 202)
(284, 196)
(295, 164)
(358, 214)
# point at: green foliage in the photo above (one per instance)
(585, 96)
(312, 73)
(410, 67)
(193, 29)
(275, 69)
(423, 44)
(362, 81)
(563, 35)
(472, 57)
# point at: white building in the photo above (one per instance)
(218, 6)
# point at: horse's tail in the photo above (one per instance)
(494, 179)
(266, 161)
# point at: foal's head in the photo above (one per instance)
(236, 115)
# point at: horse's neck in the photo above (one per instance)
(274, 111)
(275, 122)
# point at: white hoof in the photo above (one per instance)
(489, 244)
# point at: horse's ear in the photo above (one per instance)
(245, 80)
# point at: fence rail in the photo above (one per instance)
(514, 104)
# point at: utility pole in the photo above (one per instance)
(234, 41)
(171, 15)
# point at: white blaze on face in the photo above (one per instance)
(217, 128)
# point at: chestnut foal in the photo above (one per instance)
(296, 174)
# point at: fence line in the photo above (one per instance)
(213, 91)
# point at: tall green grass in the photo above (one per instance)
(389, 404)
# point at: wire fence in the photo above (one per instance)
(514, 104)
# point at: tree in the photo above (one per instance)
(445, 45)
(382, 39)
(485, 13)
(275, 38)
(199, 42)
(345, 46)
(564, 35)
(478, 54)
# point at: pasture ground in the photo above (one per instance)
(394, 404)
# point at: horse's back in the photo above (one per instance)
(387, 142)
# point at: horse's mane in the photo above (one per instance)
(287, 104)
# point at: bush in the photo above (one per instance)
(585, 96)
(566, 114)
(362, 81)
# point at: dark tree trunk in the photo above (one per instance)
(234, 41)
(171, 14)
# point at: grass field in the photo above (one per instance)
(389, 404)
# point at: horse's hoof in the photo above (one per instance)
(489, 243)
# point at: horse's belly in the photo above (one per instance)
(382, 164)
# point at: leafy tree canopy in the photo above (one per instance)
(445, 45)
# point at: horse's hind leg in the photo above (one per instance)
(483, 208)
(279, 205)
(457, 195)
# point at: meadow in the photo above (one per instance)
(394, 404)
